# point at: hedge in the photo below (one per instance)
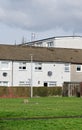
(25, 91)
(47, 91)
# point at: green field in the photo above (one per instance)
(14, 114)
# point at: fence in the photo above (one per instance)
(72, 89)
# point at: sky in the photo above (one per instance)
(38, 19)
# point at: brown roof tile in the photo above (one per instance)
(14, 52)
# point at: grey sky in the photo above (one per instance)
(42, 15)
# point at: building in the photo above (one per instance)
(58, 42)
(36, 66)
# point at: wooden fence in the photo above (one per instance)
(72, 89)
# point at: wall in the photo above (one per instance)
(69, 42)
(49, 74)
(21, 75)
(5, 68)
(58, 74)
(75, 76)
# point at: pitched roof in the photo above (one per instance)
(14, 52)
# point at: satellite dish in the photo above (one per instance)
(4, 74)
(49, 73)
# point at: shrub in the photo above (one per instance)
(26, 91)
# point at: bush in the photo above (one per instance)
(47, 91)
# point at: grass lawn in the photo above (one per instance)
(41, 107)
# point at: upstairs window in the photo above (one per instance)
(78, 68)
(5, 65)
(67, 68)
(38, 66)
(50, 44)
(39, 44)
(22, 66)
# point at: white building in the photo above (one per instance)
(18, 73)
(25, 66)
(58, 42)
(36, 66)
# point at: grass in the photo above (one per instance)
(41, 107)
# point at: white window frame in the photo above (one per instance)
(22, 65)
(39, 44)
(4, 83)
(78, 68)
(38, 66)
(67, 67)
(4, 65)
(50, 44)
(52, 83)
(24, 83)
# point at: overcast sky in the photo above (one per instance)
(44, 18)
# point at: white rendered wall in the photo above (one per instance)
(58, 74)
(69, 42)
(8, 70)
(21, 75)
(39, 77)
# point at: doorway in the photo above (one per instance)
(45, 84)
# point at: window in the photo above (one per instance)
(67, 68)
(38, 82)
(3, 83)
(45, 84)
(78, 68)
(39, 44)
(52, 83)
(22, 66)
(4, 65)
(50, 44)
(38, 66)
(24, 83)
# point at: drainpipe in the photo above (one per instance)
(12, 75)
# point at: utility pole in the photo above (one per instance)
(31, 75)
